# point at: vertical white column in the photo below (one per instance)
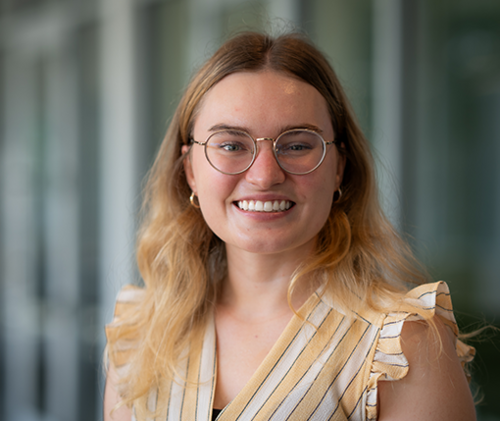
(387, 102)
(118, 184)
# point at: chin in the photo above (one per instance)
(278, 246)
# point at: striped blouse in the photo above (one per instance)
(326, 369)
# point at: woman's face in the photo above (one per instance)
(264, 104)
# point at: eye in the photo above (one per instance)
(298, 143)
(296, 147)
(231, 147)
(230, 142)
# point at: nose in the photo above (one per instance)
(265, 171)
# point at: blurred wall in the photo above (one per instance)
(87, 88)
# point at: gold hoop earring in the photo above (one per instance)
(340, 194)
(193, 203)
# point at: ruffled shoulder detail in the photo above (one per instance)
(389, 362)
(128, 296)
(121, 343)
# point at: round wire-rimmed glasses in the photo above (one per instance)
(297, 151)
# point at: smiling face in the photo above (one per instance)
(264, 210)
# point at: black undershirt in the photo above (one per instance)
(215, 413)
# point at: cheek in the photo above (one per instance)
(322, 187)
(320, 193)
(212, 187)
(214, 198)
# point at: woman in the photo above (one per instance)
(274, 286)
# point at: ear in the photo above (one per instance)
(188, 167)
(341, 162)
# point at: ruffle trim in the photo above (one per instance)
(129, 296)
(389, 362)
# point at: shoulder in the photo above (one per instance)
(122, 329)
(435, 387)
(417, 371)
(112, 410)
(122, 337)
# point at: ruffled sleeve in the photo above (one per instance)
(389, 362)
(121, 343)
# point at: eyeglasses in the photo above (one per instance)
(297, 151)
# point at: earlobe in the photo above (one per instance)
(188, 168)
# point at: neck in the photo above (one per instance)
(257, 284)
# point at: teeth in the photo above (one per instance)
(270, 206)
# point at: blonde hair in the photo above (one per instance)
(359, 254)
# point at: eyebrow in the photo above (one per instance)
(305, 126)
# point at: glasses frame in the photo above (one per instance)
(256, 151)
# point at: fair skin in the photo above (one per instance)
(112, 398)
(435, 387)
(264, 249)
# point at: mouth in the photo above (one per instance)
(268, 206)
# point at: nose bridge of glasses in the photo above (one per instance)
(271, 147)
(263, 139)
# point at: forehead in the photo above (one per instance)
(264, 100)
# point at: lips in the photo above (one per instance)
(264, 206)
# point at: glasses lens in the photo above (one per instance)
(300, 151)
(230, 151)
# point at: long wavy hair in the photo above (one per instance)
(182, 262)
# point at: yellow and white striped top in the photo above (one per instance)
(327, 369)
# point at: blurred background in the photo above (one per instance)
(87, 88)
